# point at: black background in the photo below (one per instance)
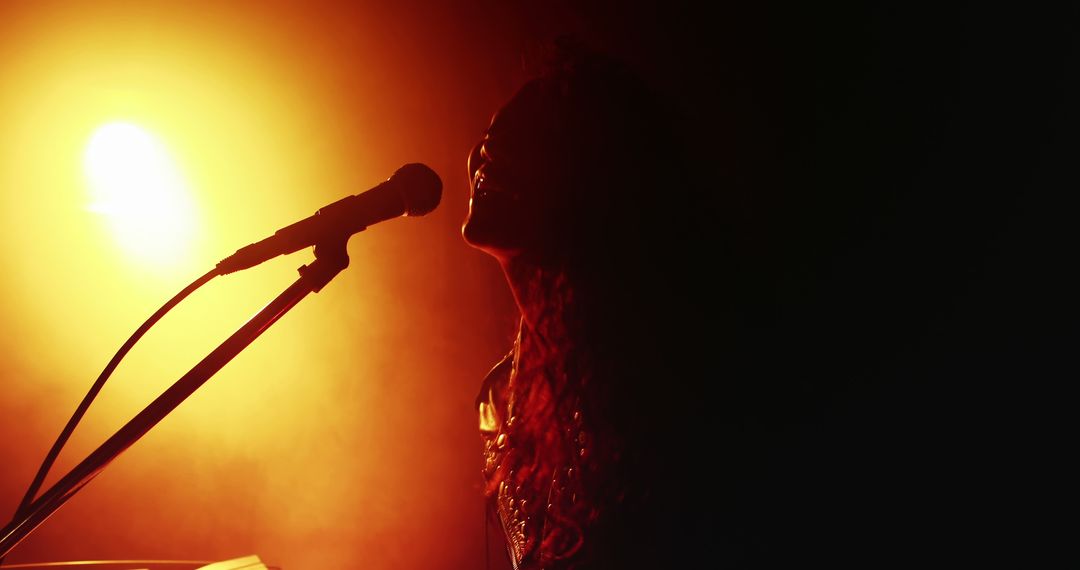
(893, 193)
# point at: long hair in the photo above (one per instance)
(593, 391)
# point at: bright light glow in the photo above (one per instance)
(136, 185)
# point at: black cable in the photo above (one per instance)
(28, 498)
(330, 259)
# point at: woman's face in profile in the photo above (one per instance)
(514, 184)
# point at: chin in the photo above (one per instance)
(477, 235)
(487, 239)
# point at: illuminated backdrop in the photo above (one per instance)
(143, 142)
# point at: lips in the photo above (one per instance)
(483, 187)
(486, 192)
(491, 183)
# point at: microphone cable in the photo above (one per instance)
(50, 458)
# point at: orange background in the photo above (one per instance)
(345, 436)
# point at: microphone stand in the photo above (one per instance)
(330, 258)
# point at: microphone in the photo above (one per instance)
(413, 190)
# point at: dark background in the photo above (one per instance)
(898, 183)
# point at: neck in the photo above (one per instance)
(535, 285)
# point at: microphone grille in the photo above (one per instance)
(420, 187)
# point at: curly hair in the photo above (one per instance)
(576, 454)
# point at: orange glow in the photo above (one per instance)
(144, 142)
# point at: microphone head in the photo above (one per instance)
(420, 188)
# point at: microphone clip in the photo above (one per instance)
(331, 257)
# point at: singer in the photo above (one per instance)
(580, 192)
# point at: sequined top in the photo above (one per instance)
(536, 531)
(495, 407)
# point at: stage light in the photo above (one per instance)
(137, 187)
